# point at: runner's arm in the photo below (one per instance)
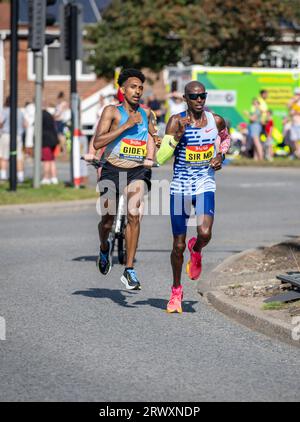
(92, 153)
(151, 144)
(151, 148)
(174, 132)
(92, 150)
(103, 135)
(152, 127)
(224, 139)
(224, 135)
(172, 126)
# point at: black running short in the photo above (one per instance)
(114, 179)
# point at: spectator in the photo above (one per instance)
(263, 105)
(49, 143)
(239, 139)
(269, 126)
(61, 117)
(294, 109)
(176, 103)
(100, 108)
(5, 142)
(120, 96)
(255, 129)
(29, 114)
(156, 106)
(160, 112)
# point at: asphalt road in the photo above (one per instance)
(74, 335)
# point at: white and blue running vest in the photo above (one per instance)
(190, 179)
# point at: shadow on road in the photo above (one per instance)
(187, 305)
(155, 250)
(93, 259)
(85, 259)
(117, 296)
(169, 250)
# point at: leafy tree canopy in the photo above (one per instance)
(155, 33)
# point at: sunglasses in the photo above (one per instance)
(203, 96)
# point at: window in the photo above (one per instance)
(58, 69)
(56, 65)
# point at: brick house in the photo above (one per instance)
(56, 70)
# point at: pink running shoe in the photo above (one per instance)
(174, 304)
(194, 265)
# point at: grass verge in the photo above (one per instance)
(278, 162)
(25, 194)
(273, 306)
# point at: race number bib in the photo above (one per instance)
(132, 149)
(197, 155)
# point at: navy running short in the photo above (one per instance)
(181, 206)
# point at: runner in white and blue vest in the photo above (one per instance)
(199, 140)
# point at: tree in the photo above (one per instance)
(155, 33)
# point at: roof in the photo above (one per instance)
(92, 10)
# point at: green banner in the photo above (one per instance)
(231, 91)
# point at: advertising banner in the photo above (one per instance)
(231, 90)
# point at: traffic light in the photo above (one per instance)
(65, 31)
(39, 18)
(71, 30)
(36, 19)
(50, 17)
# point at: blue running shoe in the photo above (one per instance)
(104, 260)
(130, 280)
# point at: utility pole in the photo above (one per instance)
(39, 19)
(14, 17)
(72, 33)
(38, 130)
(74, 95)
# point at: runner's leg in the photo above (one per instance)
(134, 194)
(177, 258)
(104, 260)
(108, 207)
(204, 208)
(179, 210)
(204, 232)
